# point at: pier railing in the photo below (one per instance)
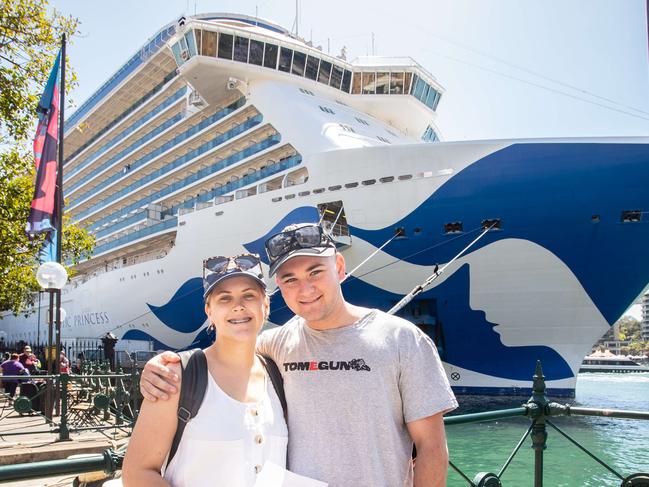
(539, 409)
(97, 400)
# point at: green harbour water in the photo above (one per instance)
(621, 443)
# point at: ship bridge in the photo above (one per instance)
(217, 55)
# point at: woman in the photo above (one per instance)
(240, 424)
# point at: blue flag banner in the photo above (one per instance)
(42, 216)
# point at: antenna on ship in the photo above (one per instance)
(295, 27)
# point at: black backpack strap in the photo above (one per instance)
(192, 391)
(276, 379)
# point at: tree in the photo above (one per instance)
(29, 42)
(630, 328)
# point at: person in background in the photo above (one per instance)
(64, 363)
(12, 367)
(79, 363)
(29, 360)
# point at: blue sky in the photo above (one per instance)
(511, 68)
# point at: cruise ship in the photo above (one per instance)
(223, 128)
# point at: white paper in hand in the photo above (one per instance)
(272, 475)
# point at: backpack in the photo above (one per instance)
(194, 384)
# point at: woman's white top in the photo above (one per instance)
(227, 442)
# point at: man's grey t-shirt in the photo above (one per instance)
(350, 393)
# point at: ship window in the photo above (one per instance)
(347, 81)
(405, 177)
(438, 95)
(356, 85)
(241, 49)
(270, 56)
(299, 59)
(175, 49)
(351, 185)
(335, 188)
(336, 77)
(368, 182)
(191, 43)
(424, 94)
(208, 43)
(312, 64)
(387, 179)
(382, 83)
(418, 87)
(369, 83)
(493, 224)
(396, 83)
(319, 190)
(325, 72)
(631, 216)
(430, 99)
(285, 57)
(289, 196)
(453, 227)
(304, 193)
(256, 52)
(225, 46)
(406, 83)
(276, 199)
(415, 78)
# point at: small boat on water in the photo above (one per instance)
(608, 362)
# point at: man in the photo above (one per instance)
(361, 385)
(12, 367)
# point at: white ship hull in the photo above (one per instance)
(569, 253)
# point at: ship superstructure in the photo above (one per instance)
(224, 128)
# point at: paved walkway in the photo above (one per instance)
(37, 443)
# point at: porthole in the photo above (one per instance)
(351, 185)
(335, 188)
(387, 179)
(368, 182)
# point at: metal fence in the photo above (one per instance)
(539, 409)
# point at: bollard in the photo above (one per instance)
(64, 433)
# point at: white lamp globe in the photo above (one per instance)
(51, 275)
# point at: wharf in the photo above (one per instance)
(32, 445)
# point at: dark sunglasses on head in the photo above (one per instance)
(215, 267)
(305, 237)
(221, 263)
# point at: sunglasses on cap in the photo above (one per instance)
(219, 267)
(304, 237)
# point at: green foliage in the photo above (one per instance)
(29, 42)
(630, 328)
